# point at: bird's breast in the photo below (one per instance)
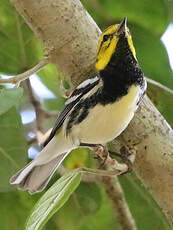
(105, 122)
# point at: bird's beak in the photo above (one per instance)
(122, 27)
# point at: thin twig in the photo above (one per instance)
(153, 82)
(112, 186)
(116, 194)
(41, 114)
(37, 106)
(32, 141)
(23, 76)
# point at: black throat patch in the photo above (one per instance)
(121, 72)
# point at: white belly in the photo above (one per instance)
(104, 123)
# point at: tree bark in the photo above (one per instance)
(70, 37)
(66, 29)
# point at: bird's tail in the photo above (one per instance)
(36, 175)
(34, 178)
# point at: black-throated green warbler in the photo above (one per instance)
(98, 110)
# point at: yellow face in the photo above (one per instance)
(108, 42)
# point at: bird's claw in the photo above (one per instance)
(102, 154)
(124, 154)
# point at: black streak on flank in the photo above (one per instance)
(81, 110)
(60, 120)
(121, 72)
(84, 89)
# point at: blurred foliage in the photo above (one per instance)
(19, 49)
(53, 200)
(155, 64)
(89, 207)
(52, 83)
(78, 158)
(15, 208)
(12, 147)
(152, 15)
(140, 202)
(163, 100)
(9, 98)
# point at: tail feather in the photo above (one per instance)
(18, 177)
(34, 178)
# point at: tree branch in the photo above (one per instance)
(158, 84)
(23, 76)
(70, 37)
(62, 26)
(116, 194)
(41, 114)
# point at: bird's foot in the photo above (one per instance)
(127, 155)
(102, 154)
(112, 166)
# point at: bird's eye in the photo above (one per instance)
(105, 37)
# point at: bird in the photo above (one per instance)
(97, 111)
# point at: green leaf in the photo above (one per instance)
(98, 214)
(53, 200)
(9, 98)
(88, 196)
(144, 209)
(19, 49)
(54, 104)
(12, 147)
(15, 207)
(163, 100)
(152, 56)
(50, 76)
(152, 15)
(77, 158)
(170, 10)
